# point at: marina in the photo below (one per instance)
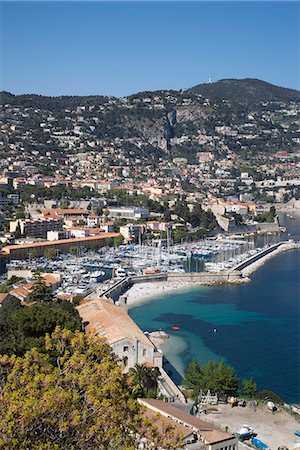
(91, 271)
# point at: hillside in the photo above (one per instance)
(249, 91)
(256, 119)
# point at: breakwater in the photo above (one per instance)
(239, 274)
(248, 267)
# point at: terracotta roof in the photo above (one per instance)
(59, 242)
(215, 436)
(210, 433)
(23, 290)
(176, 413)
(110, 321)
(64, 211)
(3, 297)
(161, 423)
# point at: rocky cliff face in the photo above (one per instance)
(218, 117)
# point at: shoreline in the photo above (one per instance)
(147, 291)
(151, 290)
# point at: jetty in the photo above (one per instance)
(236, 275)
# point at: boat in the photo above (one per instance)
(97, 275)
(175, 328)
(120, 273)
(245, 433)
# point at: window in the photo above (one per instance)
(125, 360)
(125, 348)
(144, 352)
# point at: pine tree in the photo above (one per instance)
(18, 232)
(41, 292)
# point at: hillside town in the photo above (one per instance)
(101, 195)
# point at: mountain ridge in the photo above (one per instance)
(256, 118)
(246, 90)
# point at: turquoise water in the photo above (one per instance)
(257, 325)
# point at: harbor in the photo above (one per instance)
(222, 259)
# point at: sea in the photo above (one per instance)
(254, 327)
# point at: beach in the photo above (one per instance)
(149, 290)
(144, 292)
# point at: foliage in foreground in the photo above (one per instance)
(73, 397)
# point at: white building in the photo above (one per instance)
(126, 339)
(128, 212)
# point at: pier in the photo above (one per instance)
(256, 261)
(258, 256)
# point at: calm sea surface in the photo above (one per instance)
(258, 324)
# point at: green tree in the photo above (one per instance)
(51, 253)
(40, 292)
(215, 376)
(18, 232)
(73, 397)
(73, 251)
(32, 254)
(4, 289)
(269, 395)
(146, 379)
(192, 376)
(23, 327)
(118, 240)
(64, 204)
(9, 305)
(182, 210)
(249, 388)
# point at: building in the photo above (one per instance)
(158, 226)
(23, 289)
(2, 298)
(57, 235)
(93, 220)
(209, 436)
(65, 213)
(128, 212)
(204, 157)
(162, 423)
(36, 228)
(24, 251)
(126, 339)
(132, 231)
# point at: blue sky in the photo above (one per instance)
(118, 48)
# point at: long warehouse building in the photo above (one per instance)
(24, 251)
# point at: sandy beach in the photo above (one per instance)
(143, 292)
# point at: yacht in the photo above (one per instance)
(120, 273)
